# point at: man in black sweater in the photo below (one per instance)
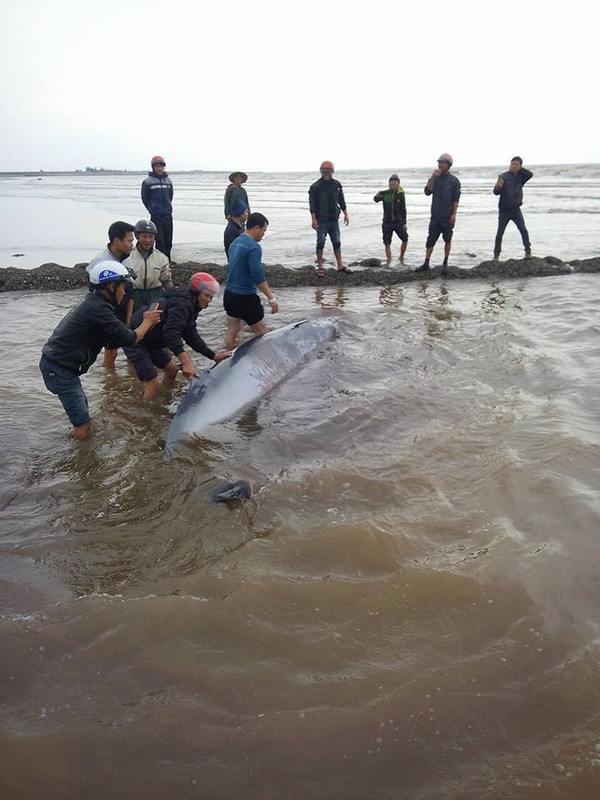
(510, 188)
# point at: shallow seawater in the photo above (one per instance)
(407, 607)
(73, 212)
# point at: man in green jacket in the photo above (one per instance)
(394, 217)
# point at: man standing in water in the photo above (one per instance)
(157, 196)
(79, 337)
(510, 188)
(445, 189)
(326, 200)
(119, 247)
(394, 217)
(149, 266)
(245, 276)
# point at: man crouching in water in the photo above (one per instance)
(180, 309)
(80, 336)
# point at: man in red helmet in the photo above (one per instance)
(180, 309)
(157, 196)
(326, 200)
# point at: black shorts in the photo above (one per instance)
(243, 306)
(144, 360)
(437, 226)
(389, 228)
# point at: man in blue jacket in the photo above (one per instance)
(157, 196)
(510, 188)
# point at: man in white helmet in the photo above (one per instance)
(445, 189)
(80, 336)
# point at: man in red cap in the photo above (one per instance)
(177, 327)
(157, 196)
(326, 200)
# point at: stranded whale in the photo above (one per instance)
(256, 367)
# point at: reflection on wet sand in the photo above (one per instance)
(334, 297)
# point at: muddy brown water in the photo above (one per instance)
(407, 607)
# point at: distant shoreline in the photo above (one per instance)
(426, 167)
(369, 272)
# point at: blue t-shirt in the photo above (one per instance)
(245, 268)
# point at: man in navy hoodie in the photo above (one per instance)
(510, 188)
(157, 196)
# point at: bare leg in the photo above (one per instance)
(388, 253)
(151, 388)
(259, 327)
(170, 373)
(234, 326)
(338, 258)
(82, 431)
(110, 356)
(447, 246)
(402, 252)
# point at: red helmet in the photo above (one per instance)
(203, 282)
(157, 160)
(327, 166)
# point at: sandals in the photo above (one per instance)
(320, 272)
(344, 269)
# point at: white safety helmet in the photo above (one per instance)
(109, 272)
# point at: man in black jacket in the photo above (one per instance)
(180, 309)
(445, 189)
(326, 200)
(394, 217)
(510, 188)
(236, 224)
(79, 337)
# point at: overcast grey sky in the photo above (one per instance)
(277, 86)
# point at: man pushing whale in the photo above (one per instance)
(179, 311)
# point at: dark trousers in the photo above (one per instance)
(505, 215)
(164, 238)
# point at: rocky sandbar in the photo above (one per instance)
(53, 277)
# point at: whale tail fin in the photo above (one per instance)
(234, 490)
